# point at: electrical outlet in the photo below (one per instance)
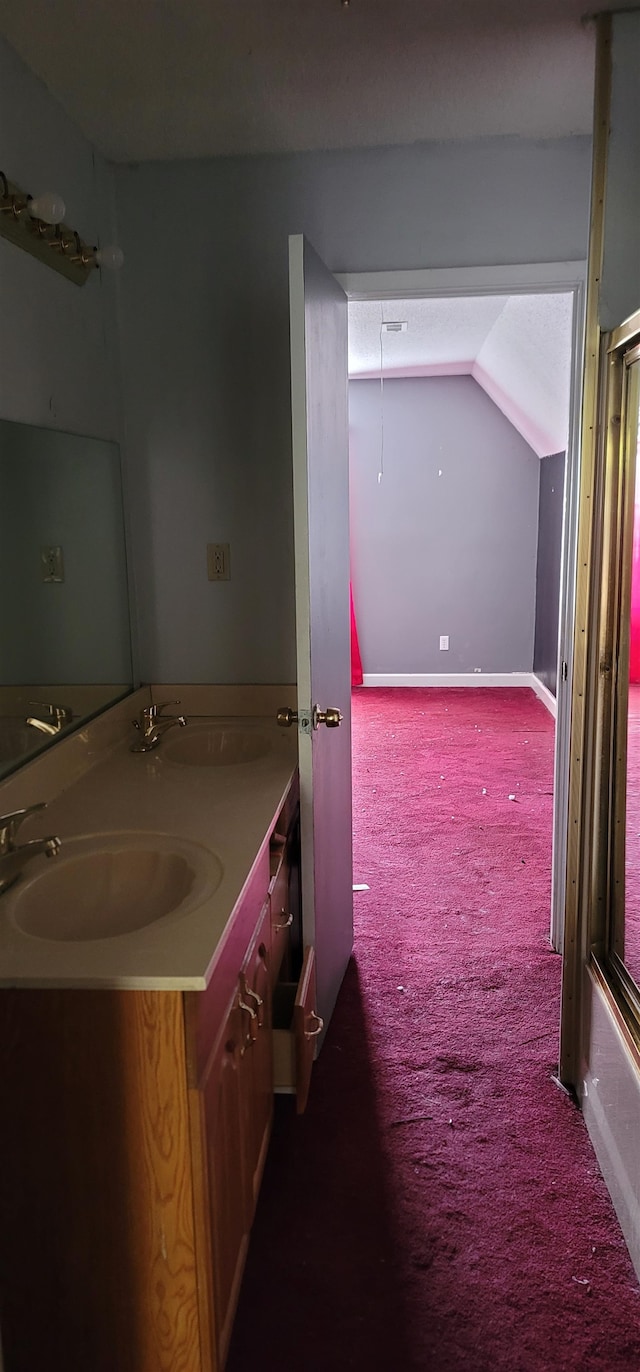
(444, 643)
(52, 563)
(218, 562)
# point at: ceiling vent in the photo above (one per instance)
(393, 326)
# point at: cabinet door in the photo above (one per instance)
(257, 1054)
(224, 1108)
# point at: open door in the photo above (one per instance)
(319, 380)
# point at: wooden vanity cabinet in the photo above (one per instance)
(135, 1132)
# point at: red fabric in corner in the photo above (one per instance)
(356, 660)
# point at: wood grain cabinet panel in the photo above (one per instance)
(221, 1191)
(98, 1262)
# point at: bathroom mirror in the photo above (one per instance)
(65, 644)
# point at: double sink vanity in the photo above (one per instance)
(154, 990)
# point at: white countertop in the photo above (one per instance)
(227, 811)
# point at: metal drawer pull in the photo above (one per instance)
(311, 1033)
(247, 991)
(288, 921)
(254, 996)
(253, 1024)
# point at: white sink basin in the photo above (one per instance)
(215, 745)
(104, 886)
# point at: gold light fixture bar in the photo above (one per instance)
(54, 244)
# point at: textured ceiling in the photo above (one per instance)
(442, 335)
(518, 348)
(149, 79)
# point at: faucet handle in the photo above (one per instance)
(157, 709)
(150, 715)
(9, 824)
(61, 713)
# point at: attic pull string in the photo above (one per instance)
(386, 326)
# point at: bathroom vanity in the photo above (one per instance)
(155, 988)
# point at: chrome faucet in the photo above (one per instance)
(14, 856)
(56, 717)
(152, 724)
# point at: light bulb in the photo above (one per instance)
(49, 207)
(111, 257)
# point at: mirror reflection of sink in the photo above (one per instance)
(102, 886)
(17, 739)
(216, 745)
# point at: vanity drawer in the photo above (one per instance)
(296, 1025)
(282, 914)
(204, 1009)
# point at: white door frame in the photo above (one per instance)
(538, 278)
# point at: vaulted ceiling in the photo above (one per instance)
(149, 79)
(518, 348)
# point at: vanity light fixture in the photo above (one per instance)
(35, 224)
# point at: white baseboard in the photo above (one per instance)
(545, 695)
(448, 679)
(527, 679)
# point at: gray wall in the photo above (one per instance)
(620, 290)
(446, 542)
(549, 566)
(205, 350)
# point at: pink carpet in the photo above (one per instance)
(439, 1205)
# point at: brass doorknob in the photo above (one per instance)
(286, 717)
(331, 717)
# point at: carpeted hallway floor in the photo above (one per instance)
(439, 1205)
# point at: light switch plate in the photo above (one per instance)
(444, 643)
(218, 562)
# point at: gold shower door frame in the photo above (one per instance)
(621, 379)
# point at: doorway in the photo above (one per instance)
(319, 367)
(479, 333)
